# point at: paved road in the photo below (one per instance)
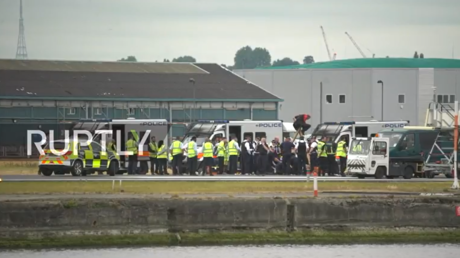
(36, 178)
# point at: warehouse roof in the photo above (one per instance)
(378, 63)
(124, 81)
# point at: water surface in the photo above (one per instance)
(267, 251)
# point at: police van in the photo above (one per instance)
(336, 130)
(120, 129)
(214, 129)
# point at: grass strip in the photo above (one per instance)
(196, 239)
(136, 187)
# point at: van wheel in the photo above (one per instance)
(408, 172)
(77, 168)
(361, 176)
(429, 174)
(379, 173)
(46, 171)
(113, 168)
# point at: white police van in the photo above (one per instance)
(214, 129)
(336, 130)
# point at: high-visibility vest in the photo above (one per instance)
(357, 147)
(154, 147)
(176, 148)
(321, 152)
(221, 149)
(232, 151)
(207, 150)
(340, 152)
(111, 147)
(163, 155)
(191, 149)
(131, 146)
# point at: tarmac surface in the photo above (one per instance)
(68, 178)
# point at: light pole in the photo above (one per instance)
(192, 81)
(381, 82)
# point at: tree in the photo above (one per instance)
(308, 60)
(416, 54)
(165, 61)
(285, 62)
(128, 59)
(247, 58)
(421, 55)
(185, 59)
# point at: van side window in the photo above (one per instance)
(83, 147)
(248, 135)
(261, 135)
(408, 142)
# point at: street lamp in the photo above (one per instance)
(381, 82)
(192, 81)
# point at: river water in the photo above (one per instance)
(268, 251)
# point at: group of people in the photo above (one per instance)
(255, 156)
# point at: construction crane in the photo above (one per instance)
(356, 45)
(325, 42)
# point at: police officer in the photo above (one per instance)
(248, 156)
(221, 152)
(153, 152)
(287, 148)
(331, 162)
(262, 160)
(233, 151)
(177, 153)
(192, 160)
(208, 160)
(342, 150)
(301, 148)
(111, 145)
(322, 157)
(131, 145)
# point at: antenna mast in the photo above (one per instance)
(21, 51)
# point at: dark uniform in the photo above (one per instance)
(263, 158)
(247, 157)
(302, 156)
(300, 122)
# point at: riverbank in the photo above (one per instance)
(149, 221)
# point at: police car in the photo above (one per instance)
(87, 159)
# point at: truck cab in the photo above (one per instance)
(413, 151)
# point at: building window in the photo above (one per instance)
(97, 111)
(329, 99)
(452, 99)
(445, 99)
(131, 111)
(71, 111)
(401, 99)
(342, 99)
(439, 98)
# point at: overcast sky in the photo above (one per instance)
(213, 30)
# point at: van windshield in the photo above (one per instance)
(55, 145)
(323, 130)
(360, 147)
(199, 139)
(394, 138)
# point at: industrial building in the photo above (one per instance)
(361, 89)
(50, 92)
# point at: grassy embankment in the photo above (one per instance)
(29, 167)
(190, 239)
